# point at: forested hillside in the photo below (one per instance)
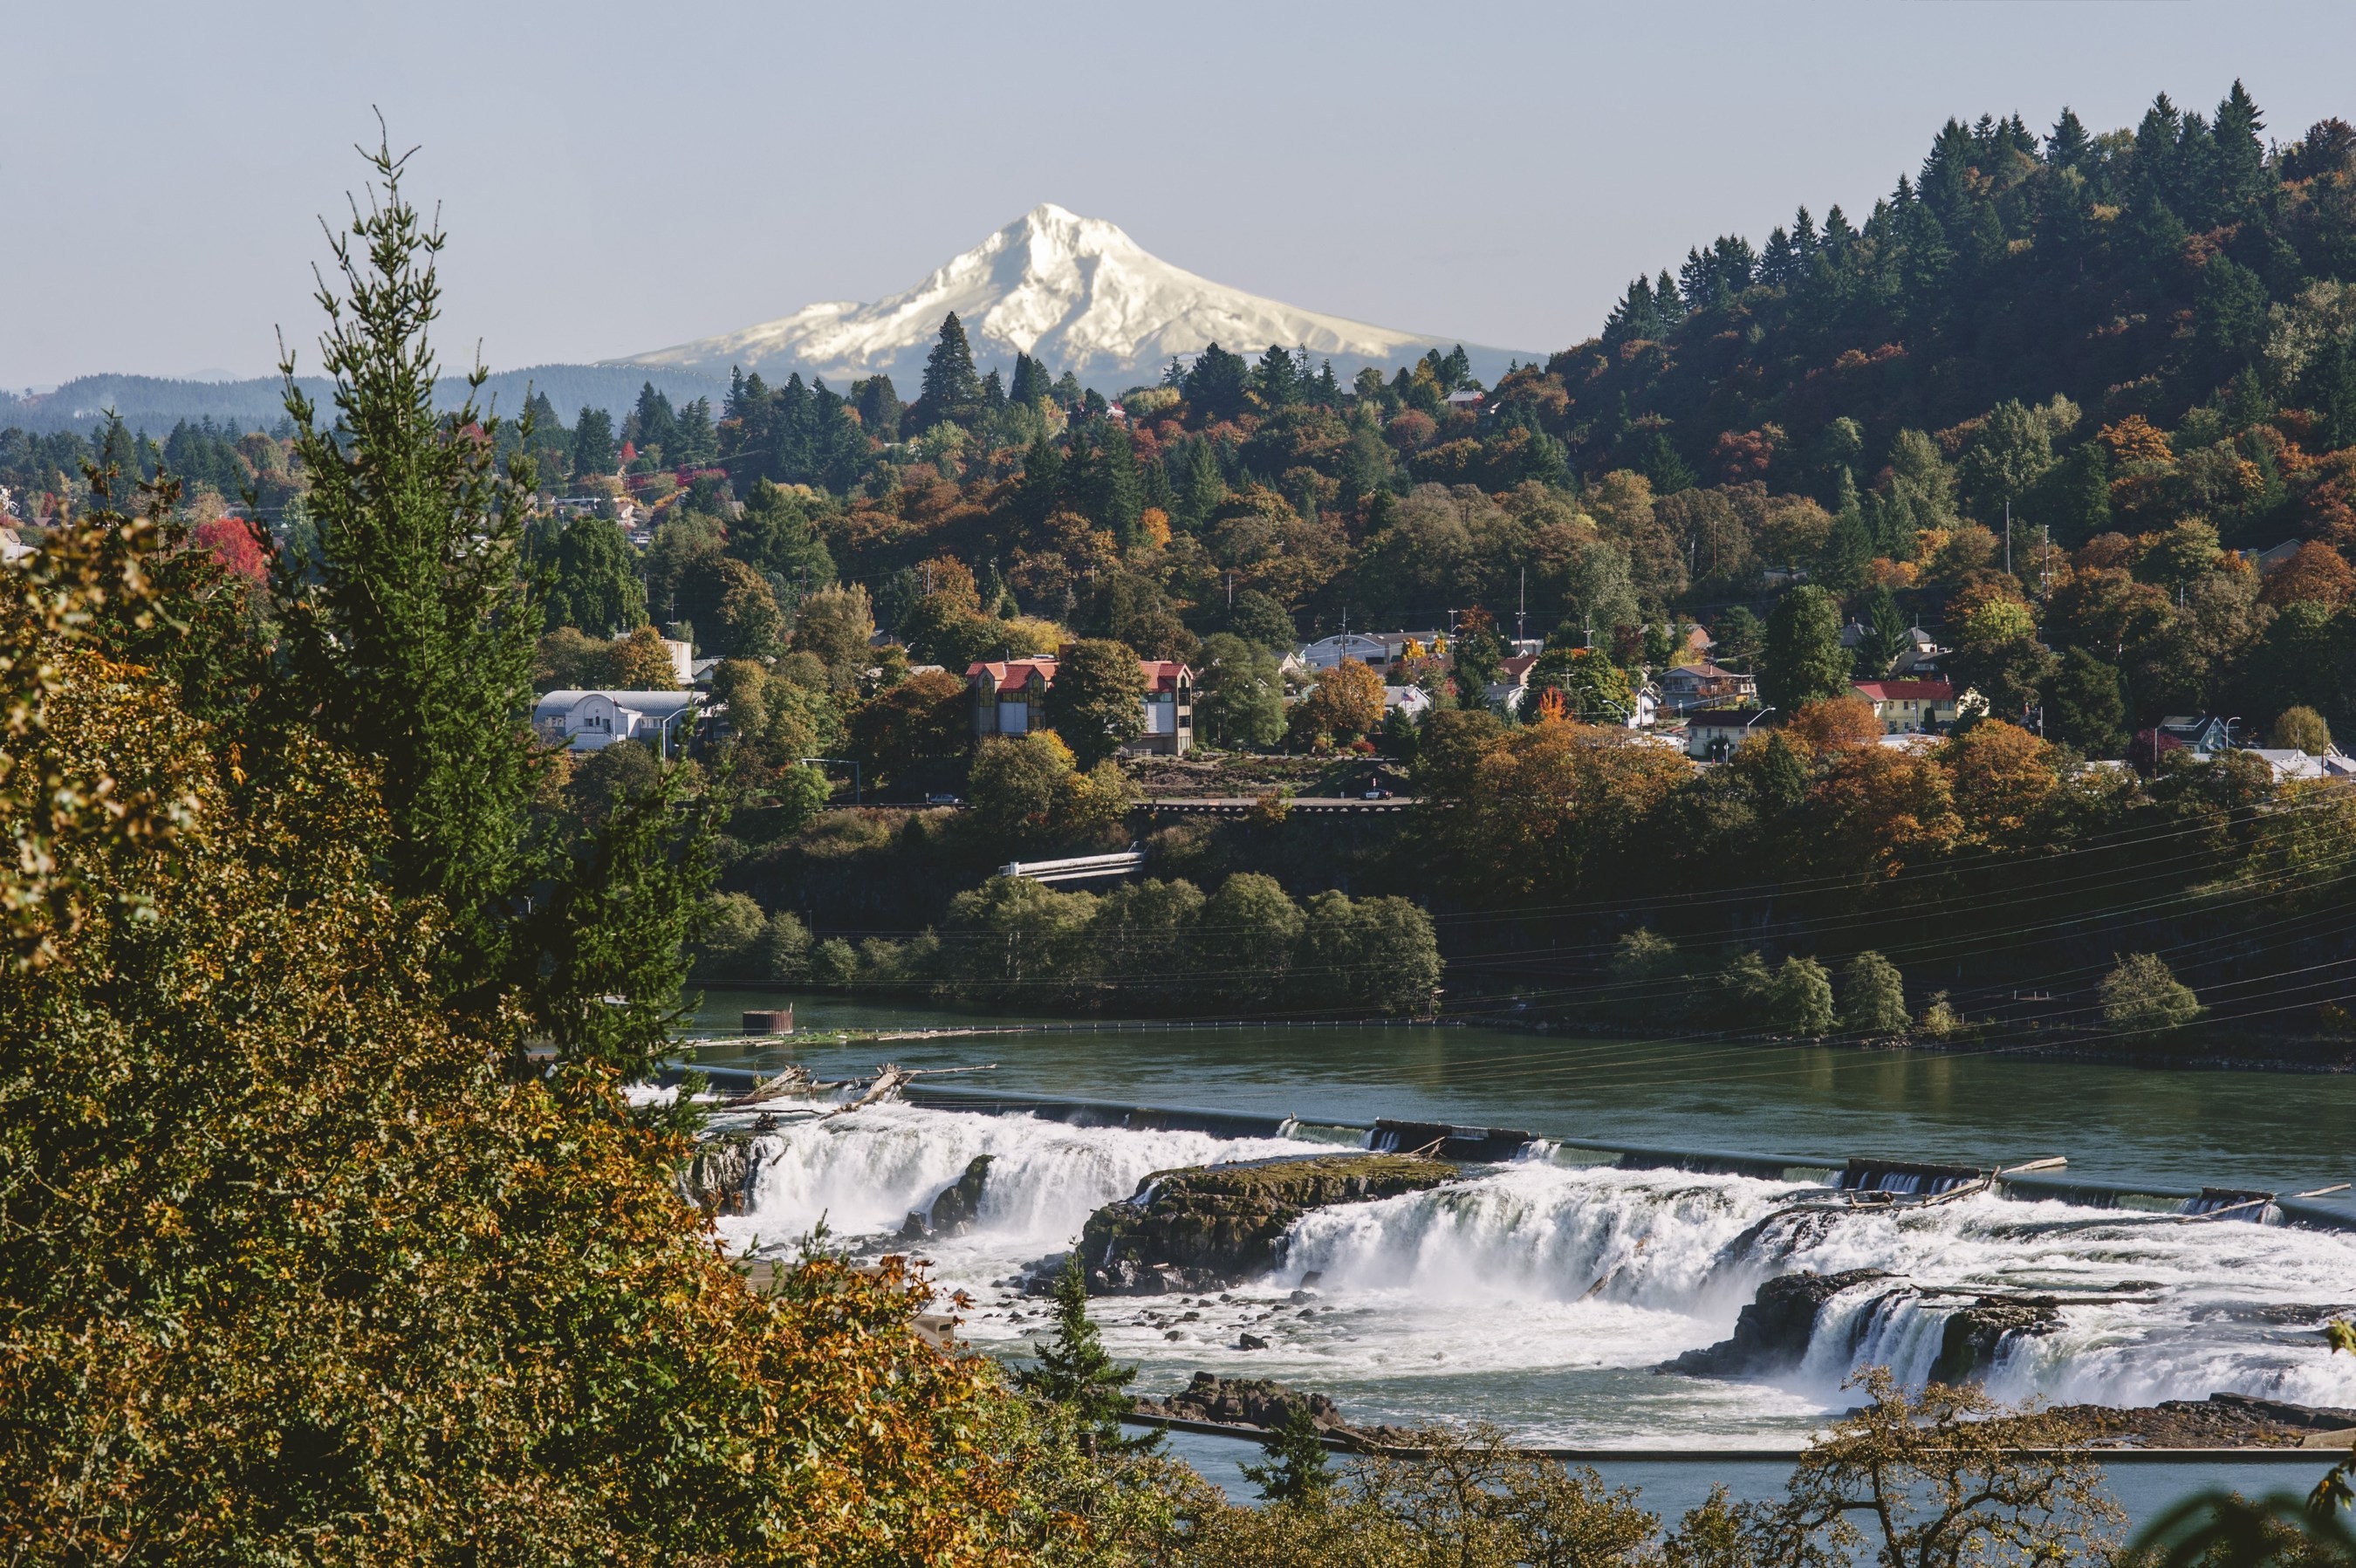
(2135, 343)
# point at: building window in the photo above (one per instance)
(1014, 718)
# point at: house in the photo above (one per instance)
(13, 549)
(1512, 686)
(1412, 701)
(1467, 397)
(2202, 736)
(1712, 734)
(1169, 708)
(1913, 707)
(2269, 561)
(1705, 684)
(1010, 697)
(591, 721)
(2295, 763)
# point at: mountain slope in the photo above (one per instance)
(1076, 293)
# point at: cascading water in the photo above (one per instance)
(1541, 1296)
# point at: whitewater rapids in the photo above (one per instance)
(1540, 1296)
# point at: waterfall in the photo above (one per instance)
(1501, 1291)
(863, 1173)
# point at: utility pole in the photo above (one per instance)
(1522, 612)
(2007, 538)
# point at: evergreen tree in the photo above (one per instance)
(1325, 391)
(2241, 161)
(654, 422)
(993, 392)
(410, 641)
(1200, 485)
(2083, 706)
(1074, 1370)
(1031, 382)
(1848, 549)
(1215, 383)
(415, 644)
(2329, 386)
(593, 581)
(1803, 661)
(698, 443)
(1886, 635)
(1040, 492)
(951, 390)
(776, 533)
(1663, 465)
(879, 407)
(1276, 381)
(1295, 1469)
(594, 449)
(1120, 488)
(2069, 144)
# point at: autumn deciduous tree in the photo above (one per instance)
(1998, 775)
(1343, 703)
(237, 544)
(1834, 722)
(1548, 805)
(642, 663)
(2317, 573)
(914, 733)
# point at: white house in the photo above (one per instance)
(591, 721)
(1412, 701)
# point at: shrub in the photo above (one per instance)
(1874, 999)
(1800, 1000)
(2143, 998)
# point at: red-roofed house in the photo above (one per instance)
(1010, 697)
(1912, 707)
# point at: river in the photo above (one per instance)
(1539, 1293)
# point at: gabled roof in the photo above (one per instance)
(1164, 674)
(1906, 690)
(1004, 672)
(643, 702)
(1705, 670)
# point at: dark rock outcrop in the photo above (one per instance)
(1209, 1227)
(956, 1211)
(2220, 1421)
(1773, 1332)
(1264, 1403)
(719, 1174)
(1968, 1347)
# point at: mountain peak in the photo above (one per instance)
(1075, 292)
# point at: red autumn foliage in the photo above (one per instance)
(234, 542)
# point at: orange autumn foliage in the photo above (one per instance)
(1835, 721)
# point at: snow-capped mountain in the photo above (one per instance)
(1075, 292)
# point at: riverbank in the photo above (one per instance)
(2304, 1055)
(2226, 1427)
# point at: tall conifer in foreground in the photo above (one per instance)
(414, 645)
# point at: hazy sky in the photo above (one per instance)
(616, 178)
